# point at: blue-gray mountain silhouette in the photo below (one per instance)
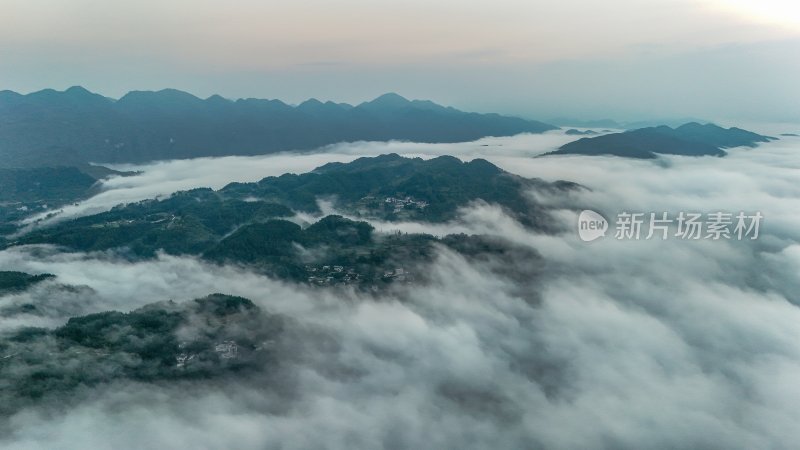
(691, 139)
(76, 126)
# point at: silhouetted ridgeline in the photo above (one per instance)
(77, 126)
(691, 139)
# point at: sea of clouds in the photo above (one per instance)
(609, 344)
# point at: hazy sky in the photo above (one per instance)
(625, 59)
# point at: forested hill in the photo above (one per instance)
(256, 224)
(391, 187)
(150, 344)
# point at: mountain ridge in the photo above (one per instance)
(689, 139)
(76, 126)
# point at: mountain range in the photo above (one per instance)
(75, 127)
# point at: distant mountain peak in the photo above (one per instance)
(216, 98)
(160, 99)
(163, 93)
(390, 96)
(314, 106)
(10, 95)
(390, 99)
(75, 96)
(698, 126)
(78, 90)
(310, 102)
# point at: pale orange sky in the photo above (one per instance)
(568, 57)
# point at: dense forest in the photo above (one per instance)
(205, 338)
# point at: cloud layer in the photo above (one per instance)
(613, 344)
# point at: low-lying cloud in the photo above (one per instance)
(612, 344)
(163, 178)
